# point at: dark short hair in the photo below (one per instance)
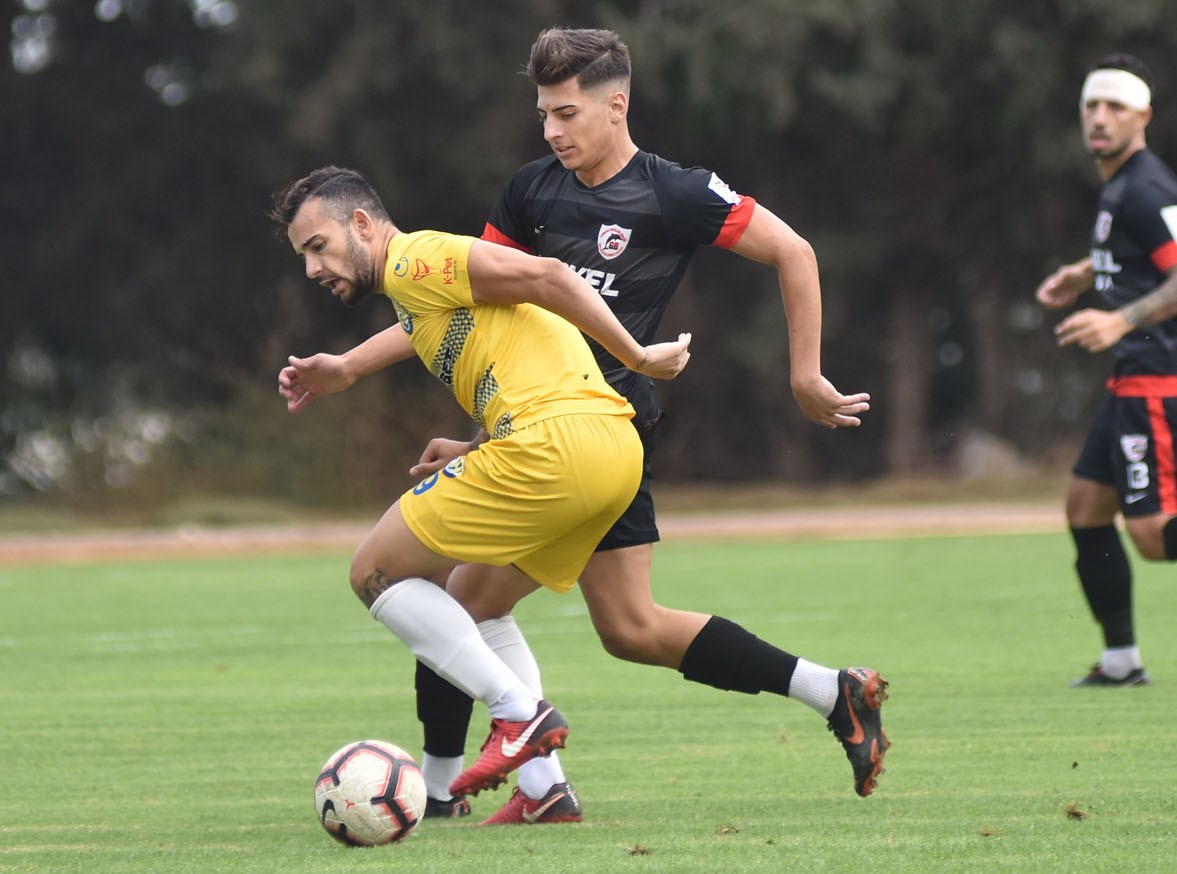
(1122, 61)
(342, 191)
(590, 56)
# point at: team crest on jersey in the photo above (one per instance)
(1134, 446)
(1103, 226)
(612, 240)
(455, 468)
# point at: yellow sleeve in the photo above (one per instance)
(427, 271)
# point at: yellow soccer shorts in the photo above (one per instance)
(540, 499)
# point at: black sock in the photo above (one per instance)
(444, 711)
(1106, 577)
(726, 656)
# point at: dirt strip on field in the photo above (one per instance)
(828, 523)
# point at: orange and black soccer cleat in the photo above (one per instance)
(857, 723)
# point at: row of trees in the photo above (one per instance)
(929, 151)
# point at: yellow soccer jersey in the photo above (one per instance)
(508, 366)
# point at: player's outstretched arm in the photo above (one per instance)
(304, 379)
(769, 240)
(501, 275)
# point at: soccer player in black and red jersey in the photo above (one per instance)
(629, 222)
(1127, 463)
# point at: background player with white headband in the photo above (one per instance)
(1116, 86)
(1127, 464)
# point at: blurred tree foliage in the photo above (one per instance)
(929, 151)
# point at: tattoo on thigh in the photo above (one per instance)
(374, 585)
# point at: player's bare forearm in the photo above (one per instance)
(818, 399)
(1156, 306)
(801, 299)
(304, 379)
(769, 240)
(378, 351)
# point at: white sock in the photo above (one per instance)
(440, 633)
(537, 776)
(1120, 661)
(515, 705)
(503, 636)
(816, 686)
(439, 774)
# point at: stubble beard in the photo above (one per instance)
(363, 280)
(1108, 153)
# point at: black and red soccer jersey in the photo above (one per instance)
(1133, 245)
(631, 237)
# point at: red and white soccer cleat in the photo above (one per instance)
(559, 804)
(509, 745)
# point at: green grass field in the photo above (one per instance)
(172, 717)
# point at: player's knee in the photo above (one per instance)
(1155, 539)
(1152, 549)
(1169, 540)
(480, 609)
(626, 643)
(1090, 504)
(356, 575)
(619, 647)
(367, 582)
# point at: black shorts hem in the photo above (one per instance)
(622, 541)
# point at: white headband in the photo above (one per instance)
(1118, 86)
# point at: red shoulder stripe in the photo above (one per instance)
(736, 223)
(1164, 256)
(493, 235)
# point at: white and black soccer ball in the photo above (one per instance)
(369, 793)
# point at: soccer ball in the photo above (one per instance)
(370, 793)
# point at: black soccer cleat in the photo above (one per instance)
(457, 806)
(857, 723)
(1096, 677)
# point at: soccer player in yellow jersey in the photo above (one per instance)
(630, 222)
(500, 329)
